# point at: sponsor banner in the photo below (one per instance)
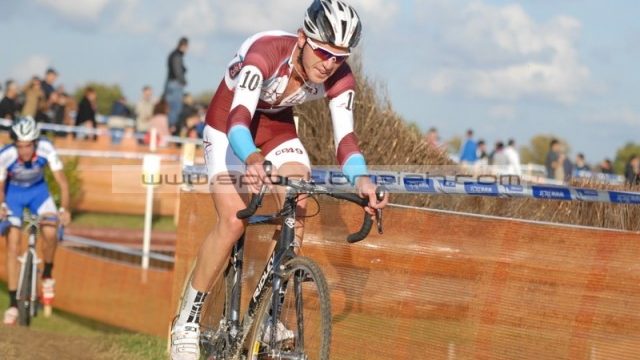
(474, 188)
(515, 190)
(549, 192)
(624, 198)
(587, 194)
(440, 180)
(418, 184)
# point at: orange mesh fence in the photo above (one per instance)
(126, 196)
(439, 285)
(436, 285)
(111, 292)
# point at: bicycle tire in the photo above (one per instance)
(24, 292)
(313, 312)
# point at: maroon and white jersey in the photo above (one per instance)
(249, 99)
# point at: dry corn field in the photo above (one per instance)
(386, 138)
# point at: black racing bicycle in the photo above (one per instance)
(27, 292)
(289, 313)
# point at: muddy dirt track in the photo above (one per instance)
(22, 343)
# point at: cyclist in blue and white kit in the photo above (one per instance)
(22, 166)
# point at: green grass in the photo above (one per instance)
(120, 221)
(121, 343)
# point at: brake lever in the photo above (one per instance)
(380, 194)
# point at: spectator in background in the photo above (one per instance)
(513, 158)
(119, 119)
(86, 115)
(193, 126)
(58, 108)
(567, 165)
(70, 108)
(144, 110)
(433, 139)
(606, 167)
(581, 165)
(482, 155)
(33, 96)
(48, 84)
(9, 106)
(186, 119)
(632, 170)
(160, 121)
(176, 81)
(558, 166)
(120, 108)
(199, 127)
(468, 153)
(59, 111)
(553, 161)
(500, 159)
(46, 109)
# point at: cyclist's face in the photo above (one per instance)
(321, 60)
(26, 149)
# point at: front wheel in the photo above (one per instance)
(303, 329)
(25, 287)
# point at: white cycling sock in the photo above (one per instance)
(191, 306)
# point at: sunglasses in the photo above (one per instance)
(326, 54)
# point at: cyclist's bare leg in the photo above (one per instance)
(216, 247)
(228, 200)
(212, 255)
(13, 266)
(49, 242)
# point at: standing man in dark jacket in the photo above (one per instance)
(176, 81)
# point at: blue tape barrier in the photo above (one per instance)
(401, 182)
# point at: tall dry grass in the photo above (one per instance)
(387, 139)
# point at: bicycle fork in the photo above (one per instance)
(287, 237)
(237, 260)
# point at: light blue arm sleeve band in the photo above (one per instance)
(241, 142)
(354, 167)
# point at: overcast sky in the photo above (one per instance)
(504, 68)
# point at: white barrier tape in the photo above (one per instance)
(81, 130)
(116, 247)
(113, 154)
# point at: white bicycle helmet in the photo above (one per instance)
(333, 21)
(25, 129)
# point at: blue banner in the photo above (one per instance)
(403, 182)
(551, 192)
(624, 198)
(474, 188)
(419, 184)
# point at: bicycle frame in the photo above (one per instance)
(234, 330)
(283, 251)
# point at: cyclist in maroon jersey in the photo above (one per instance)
(250, 120)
